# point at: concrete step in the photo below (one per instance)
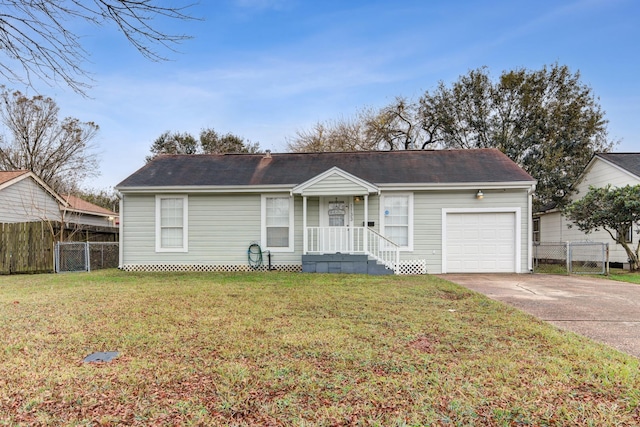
(343, 263)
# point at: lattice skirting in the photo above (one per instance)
(207, 268)
(412, 267)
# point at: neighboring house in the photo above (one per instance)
(79, 211)
(615, 169)
(446, 210)
(24, 197)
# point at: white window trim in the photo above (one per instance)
(263, 223)
(409, 247)
(185, 223)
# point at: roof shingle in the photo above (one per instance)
(377, 167)
(6, 176)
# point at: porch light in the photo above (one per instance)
(479, 195)
(357, 199)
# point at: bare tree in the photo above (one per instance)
(393, 127)
(396, 127)
(59, 152)
(345, 134)
(36, 36)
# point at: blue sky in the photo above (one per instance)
(263, 69)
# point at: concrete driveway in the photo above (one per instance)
(603, 310)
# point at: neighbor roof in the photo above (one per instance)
(627, 161)
(377, 167)
(6, 176)
(78, 204)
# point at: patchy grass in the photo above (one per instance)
(294, 349)
(624, 275)
(550, 269)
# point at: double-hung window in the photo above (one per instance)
(171, 223)
(277, 223)
(397, 219)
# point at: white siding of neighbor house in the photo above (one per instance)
(221, 227)
(554, 227)
(602, 173)
(86, 219)
(26, 201)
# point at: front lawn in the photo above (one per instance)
(294, 349)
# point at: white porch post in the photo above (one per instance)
(365, 238)
(304, 226)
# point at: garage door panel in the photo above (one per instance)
(481, 242)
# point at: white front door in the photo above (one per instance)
(335, 220)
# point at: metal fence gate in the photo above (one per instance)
(85, 256)
(571, 257)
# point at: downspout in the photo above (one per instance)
(530, 228)
(120, 230)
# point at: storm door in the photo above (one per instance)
(335, 220)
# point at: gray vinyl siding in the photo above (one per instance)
(334, 185)
(428, 206)
(220, 230)
(137, 225)
(374, 213)
(26, 201)
(221, 227)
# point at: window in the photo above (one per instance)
(277, 223)
(397, 219)
(171, 224)
(536, 230)
(626, 234)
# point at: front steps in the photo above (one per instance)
(343, 263)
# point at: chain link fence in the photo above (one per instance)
(571, 257)
(85, 256)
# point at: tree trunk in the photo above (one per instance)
(633, 256)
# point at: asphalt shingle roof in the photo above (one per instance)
(377, 167)
(6, 176)
(82, 205)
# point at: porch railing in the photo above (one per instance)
(352, 240)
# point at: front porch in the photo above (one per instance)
(349, 249)
(340, 213)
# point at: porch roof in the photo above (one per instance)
(335, 181)
(375, 167)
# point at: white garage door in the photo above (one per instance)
(481, 242)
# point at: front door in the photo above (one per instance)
(335, 222)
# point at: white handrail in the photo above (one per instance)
(383, 249)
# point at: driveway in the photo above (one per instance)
(604, 310)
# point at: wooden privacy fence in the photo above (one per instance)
(26, 247)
